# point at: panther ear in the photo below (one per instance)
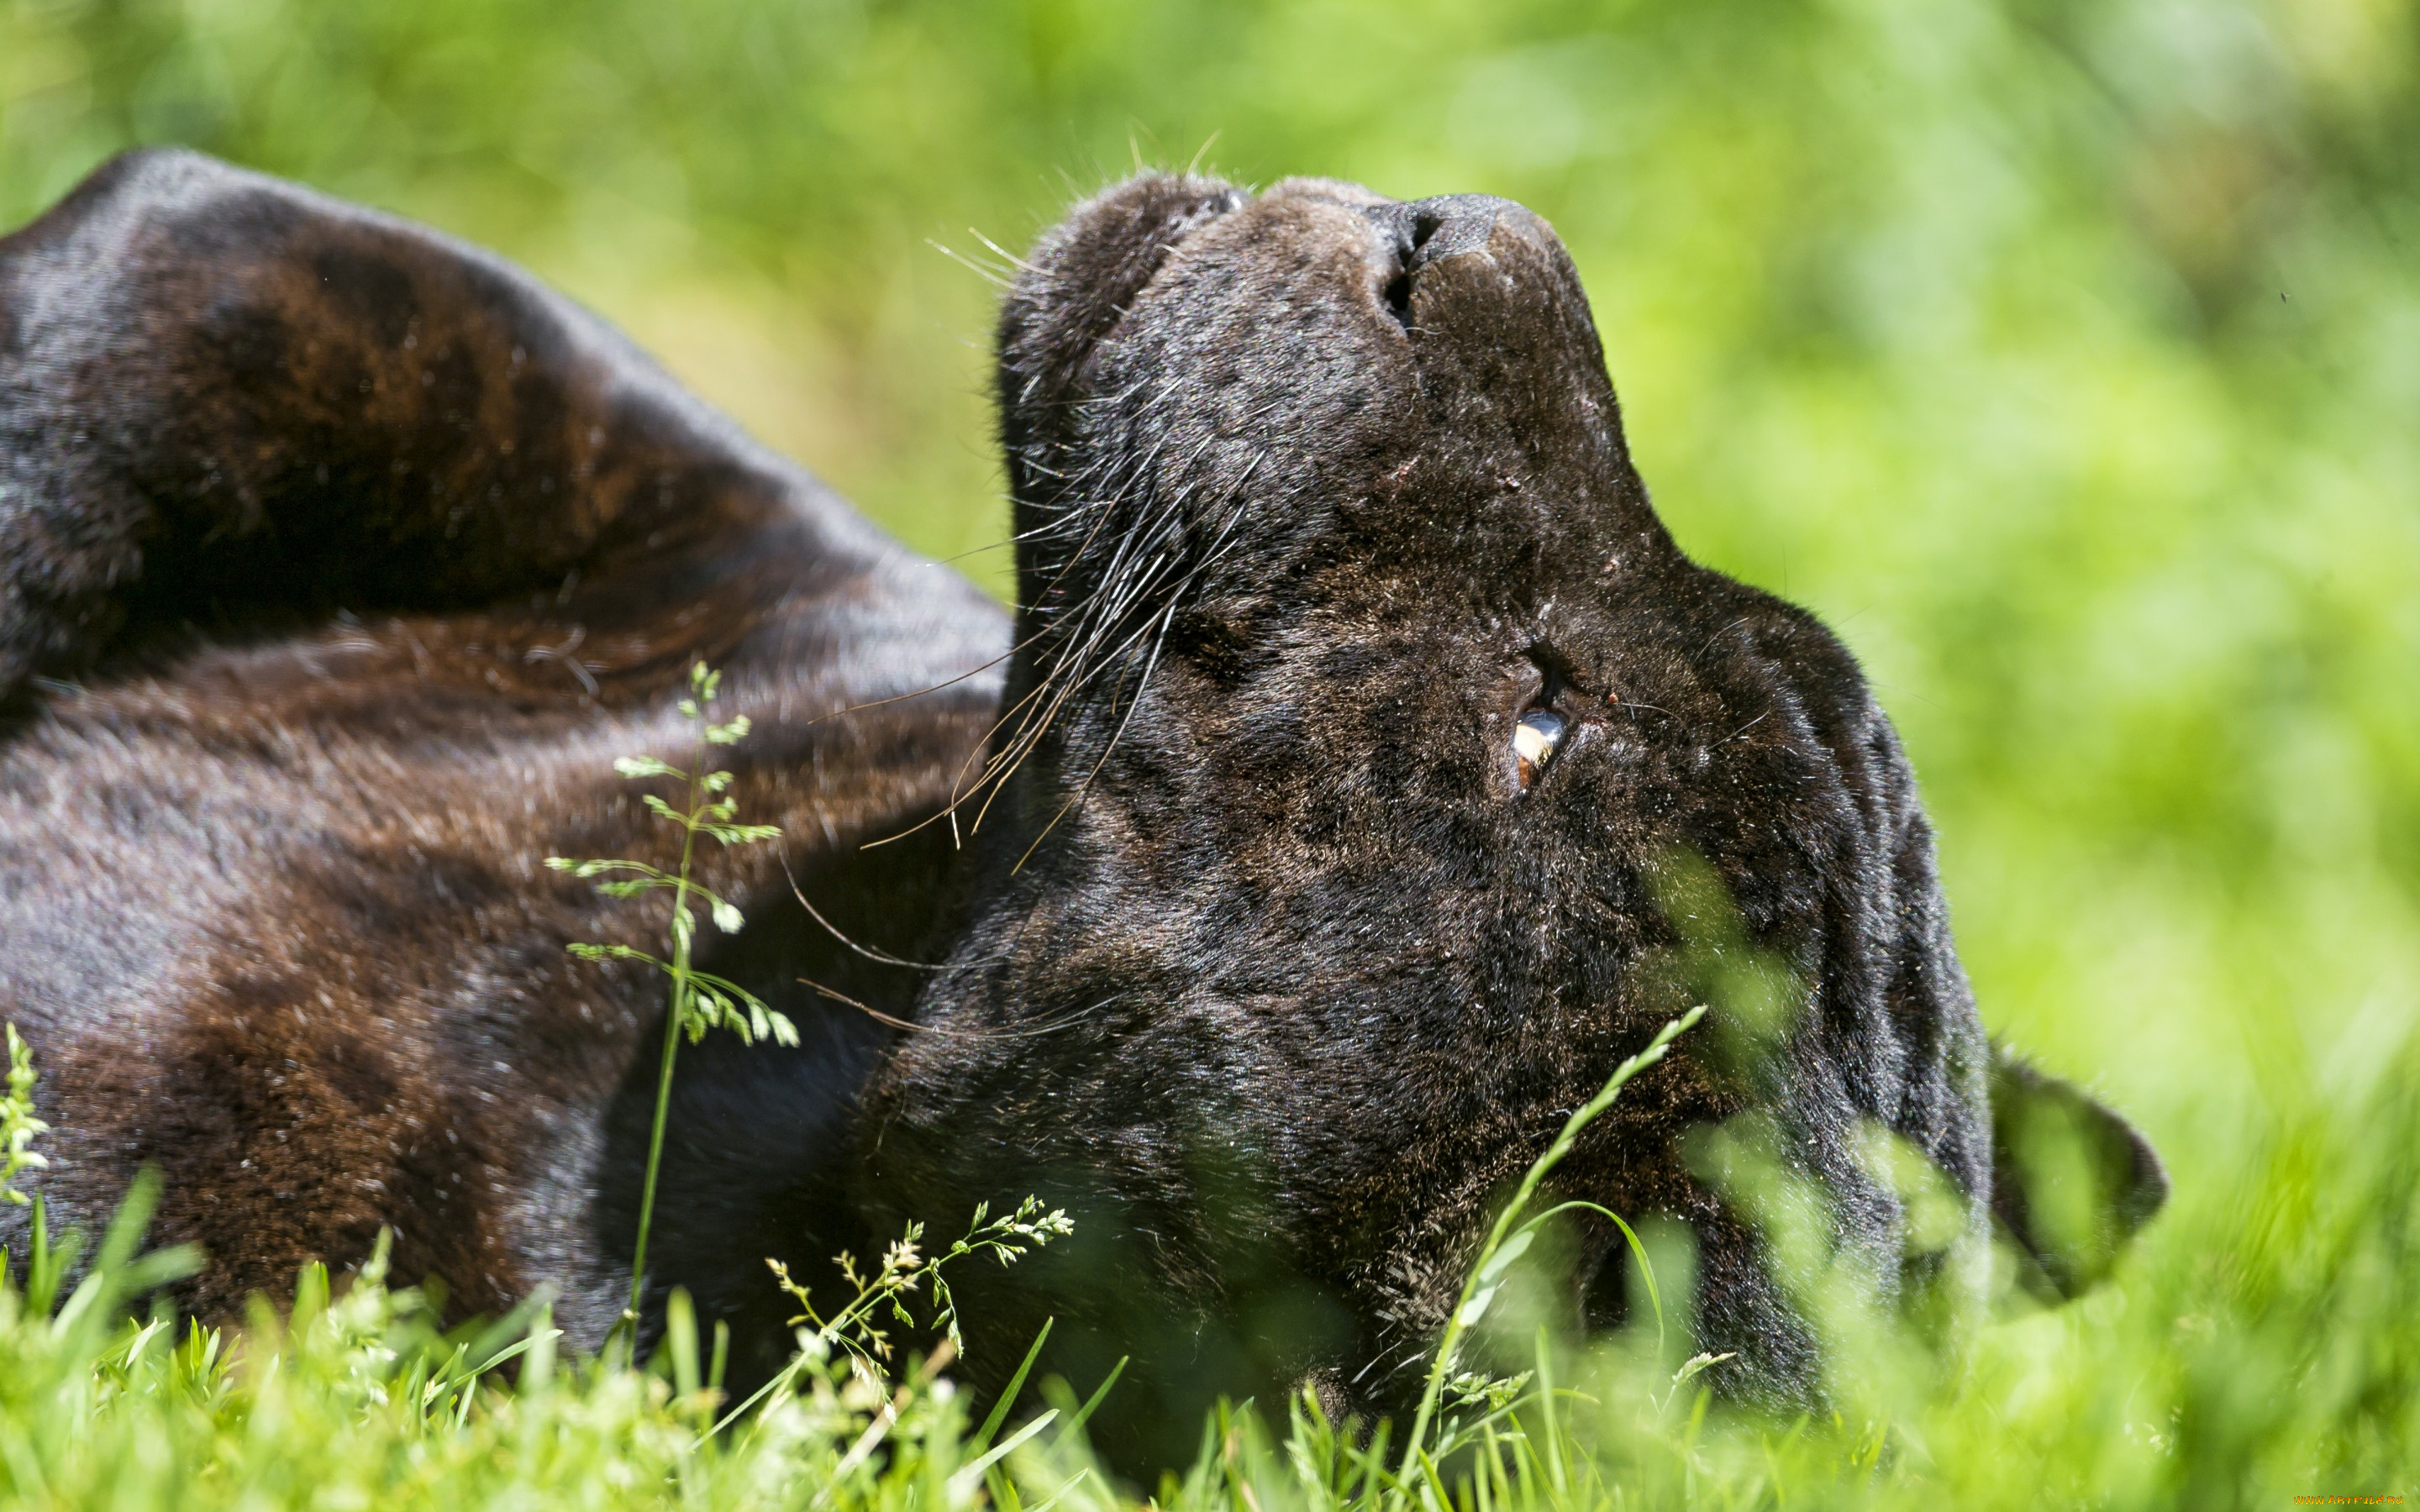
(2072, 1182)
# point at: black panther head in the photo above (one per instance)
(1374, 774)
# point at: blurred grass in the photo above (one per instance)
(2063, 354)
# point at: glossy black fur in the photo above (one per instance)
(337, 562)
(1318, 954)
(369, 553)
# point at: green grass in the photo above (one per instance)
(2263, 1344)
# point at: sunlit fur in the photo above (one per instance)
(338, 561)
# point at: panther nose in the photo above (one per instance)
(1426, 231)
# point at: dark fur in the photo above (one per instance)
(370, 555)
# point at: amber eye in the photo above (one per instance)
(1535, 740)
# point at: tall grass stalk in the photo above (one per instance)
(696, 1001)
(1506, 1242)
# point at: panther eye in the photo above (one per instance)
(1535, 740)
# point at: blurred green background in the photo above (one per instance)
(2063, 354)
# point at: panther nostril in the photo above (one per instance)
(1425, 232)
(1450, 225)
(1397, 294)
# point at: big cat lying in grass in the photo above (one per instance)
(1363, 775)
